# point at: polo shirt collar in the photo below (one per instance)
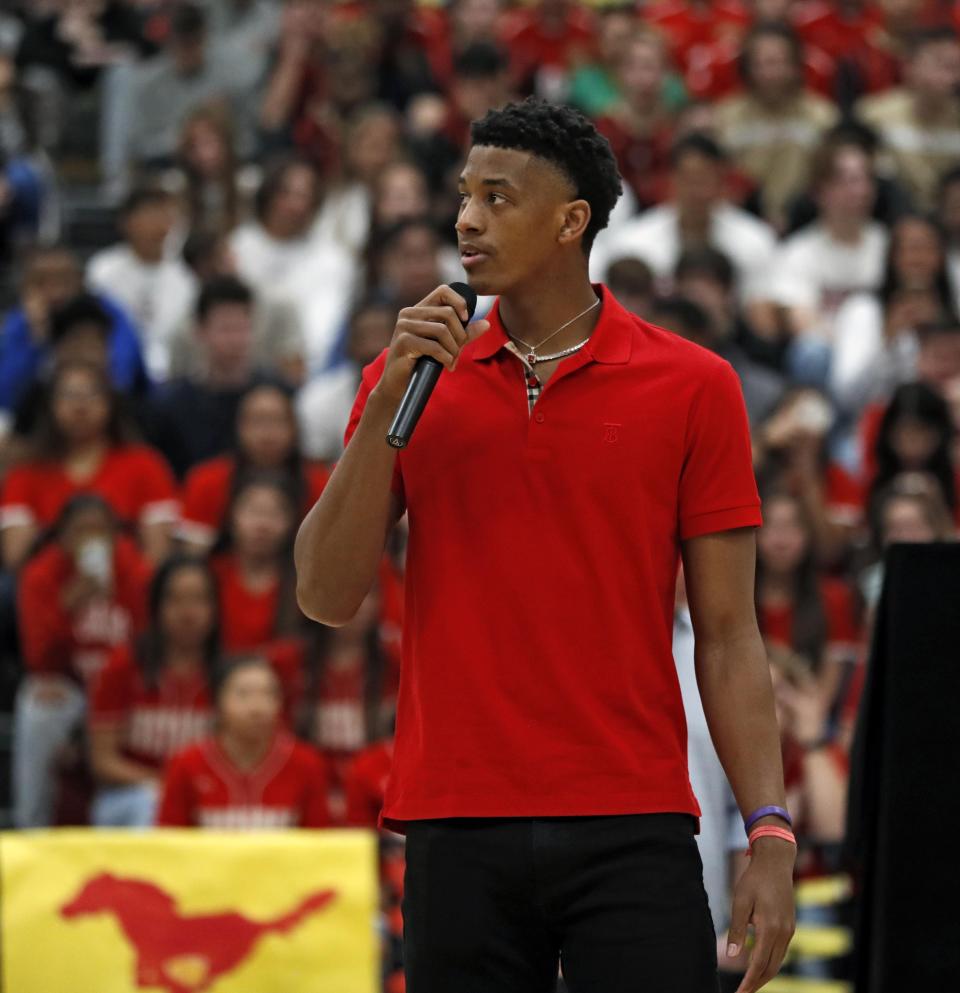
(611, 341)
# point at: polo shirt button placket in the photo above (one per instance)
(538, 417)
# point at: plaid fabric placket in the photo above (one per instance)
(534, 386)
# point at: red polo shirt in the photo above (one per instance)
(537, 675)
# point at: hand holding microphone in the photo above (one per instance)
(427, 339)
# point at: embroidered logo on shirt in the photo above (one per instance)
(610, 435)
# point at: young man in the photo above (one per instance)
(564, 461)
(156, 289)
(192, 419)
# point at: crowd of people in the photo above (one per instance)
(283, 175)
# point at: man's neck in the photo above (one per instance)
(245, 753)
(534, 312)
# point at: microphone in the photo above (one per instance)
(426, 372)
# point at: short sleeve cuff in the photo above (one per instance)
(17, 515)
(721, 520)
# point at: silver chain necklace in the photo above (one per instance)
(532, 357)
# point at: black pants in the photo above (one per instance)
(491, 905)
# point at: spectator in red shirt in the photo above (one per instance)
(700, 34)
(267, 438)
(547, 41)
(153, 698)
(251, 773)
(252, 563)
(85, 444)
(792, 451)
(81, 595)
(349, 699)
(816, 768)
(797, 607)
(639, 126)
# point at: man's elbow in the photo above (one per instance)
(323, 608)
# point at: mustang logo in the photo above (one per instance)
(181, 954)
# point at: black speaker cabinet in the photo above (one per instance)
(903, 836)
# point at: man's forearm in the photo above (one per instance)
(340, 542)
(735, 688)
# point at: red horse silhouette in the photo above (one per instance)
(181, 954)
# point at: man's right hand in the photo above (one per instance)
(434, 327)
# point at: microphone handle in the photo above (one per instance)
(426, 372)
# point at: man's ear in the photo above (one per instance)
(576, 218)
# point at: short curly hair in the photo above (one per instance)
(565, 138)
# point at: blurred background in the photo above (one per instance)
(210, 214)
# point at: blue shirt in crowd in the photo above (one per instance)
(22, 357)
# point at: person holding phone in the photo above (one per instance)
(81, 595)
(569, 455)
(154, 697)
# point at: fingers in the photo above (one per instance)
(759, 961)
(444, 296)
(773, 939)
(440, 324)
(409, 345)
(739, 918)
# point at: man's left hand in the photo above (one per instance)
(764, 898)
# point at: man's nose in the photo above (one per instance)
(469, 218)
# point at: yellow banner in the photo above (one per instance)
(179, 911)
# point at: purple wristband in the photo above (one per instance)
(766, 812)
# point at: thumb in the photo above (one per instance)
(739, 918)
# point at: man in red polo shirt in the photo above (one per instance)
(569, 454)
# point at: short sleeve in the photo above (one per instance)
(718, 490)
(16, 499)
(158, 498)
(370, 378)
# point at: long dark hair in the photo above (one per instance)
(151, 649)
(922, 403)
(220, 122)
(809, 634)
(289, 621)
(294, 465)
(48, 441)
(941, 281)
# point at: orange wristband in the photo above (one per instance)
(769, 831)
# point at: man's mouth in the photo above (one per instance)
(470, 256)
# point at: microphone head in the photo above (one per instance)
(469, 297)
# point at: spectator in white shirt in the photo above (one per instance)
(281, 256)
(875, 340)
(698, 215)
(324, 404)
(155, 288)
(840, 253)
